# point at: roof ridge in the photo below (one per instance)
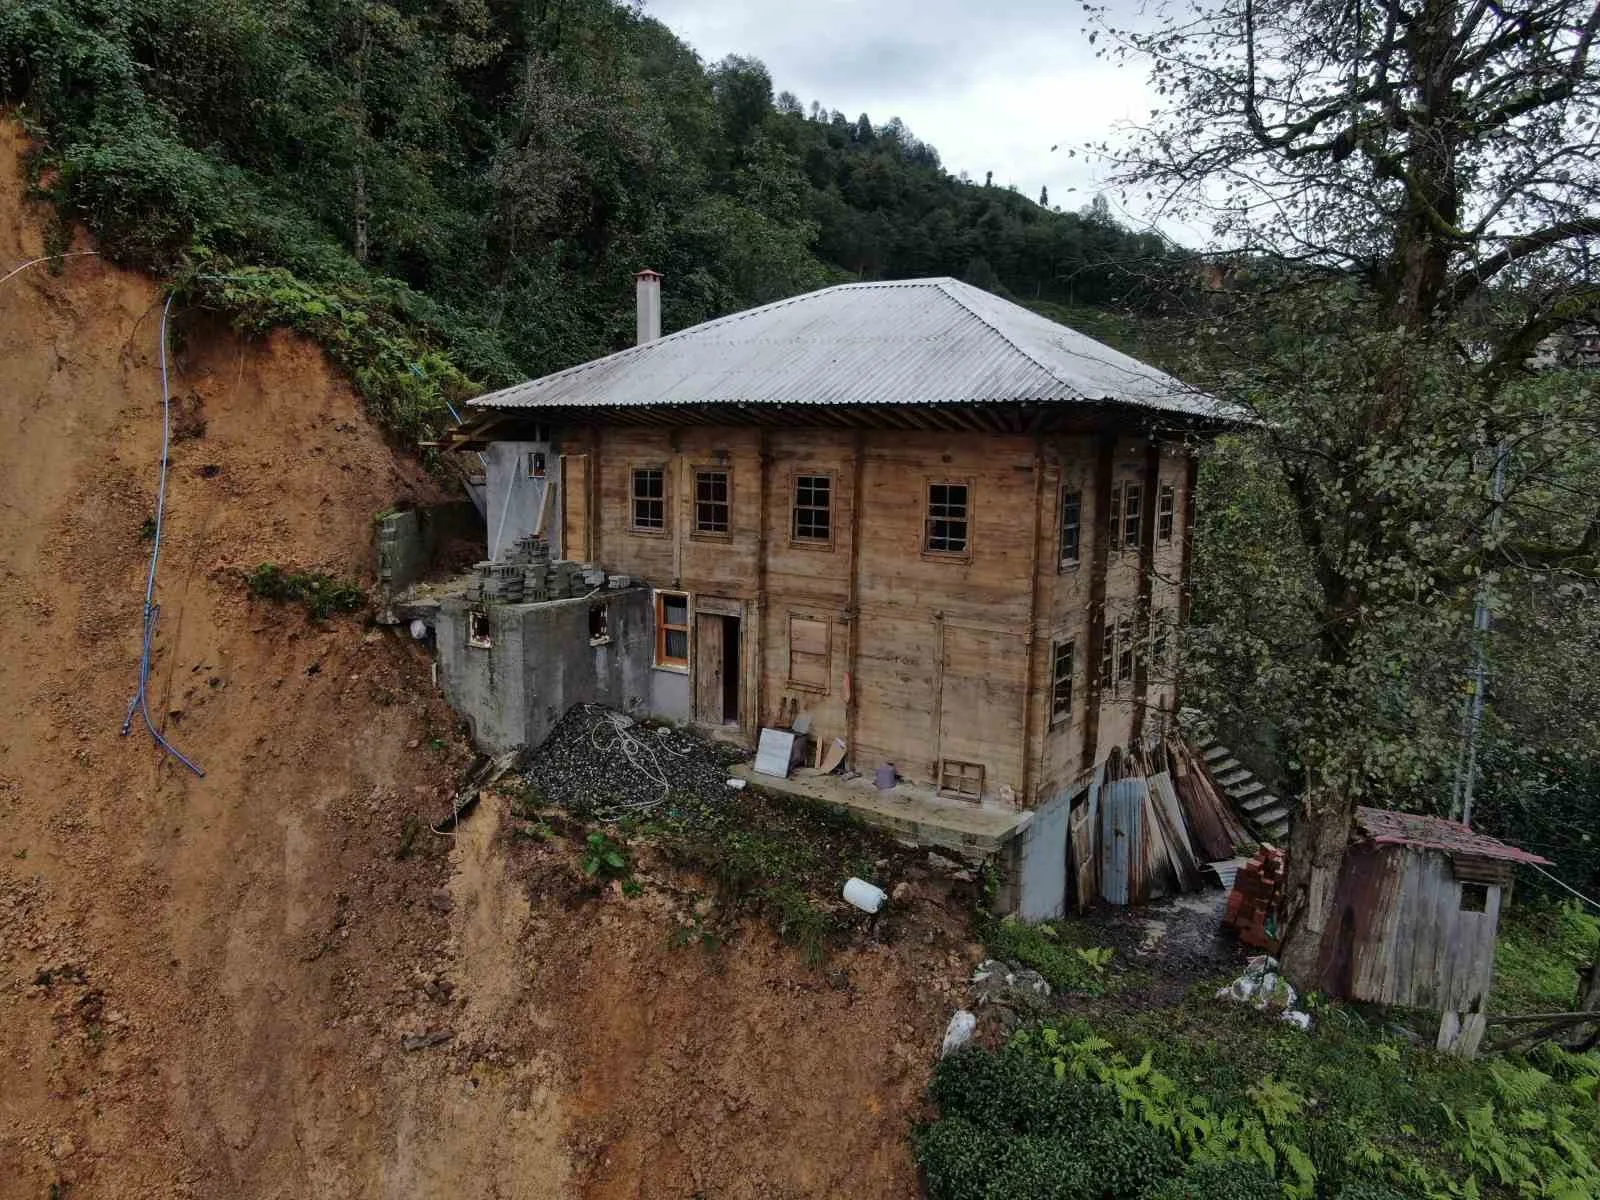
(1005, 337)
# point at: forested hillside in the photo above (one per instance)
(453, 194)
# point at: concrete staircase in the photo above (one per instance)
(1267, 816)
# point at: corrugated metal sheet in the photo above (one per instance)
(1388, 828)
(1122, 847)
(1044, 861)
(1227, 870)
(920, 341)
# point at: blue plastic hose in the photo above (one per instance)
(139, 704)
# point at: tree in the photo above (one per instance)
(1044, 197)
(743, 91)
(1411, 190)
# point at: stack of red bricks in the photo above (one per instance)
(1253, 904)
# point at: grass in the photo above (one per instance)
(1055, 949)
(782, 858)
(1539, 953)
(779, 858)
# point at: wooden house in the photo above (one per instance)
(953, 532)
(1417, 907)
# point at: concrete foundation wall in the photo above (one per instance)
(671, 693)
(409, 541)
(541, 662)
(514, 493)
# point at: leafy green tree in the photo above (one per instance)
(1411, 187)
(457, 194)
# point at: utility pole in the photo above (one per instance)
(1472, 714)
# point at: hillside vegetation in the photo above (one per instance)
(453, 195)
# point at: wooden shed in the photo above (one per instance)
(1415, 916)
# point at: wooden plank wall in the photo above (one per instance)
(1066, 603)
(936, 649)
(1407, 940)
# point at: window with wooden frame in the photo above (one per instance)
(1125, 648)
(1166, 511)
(478, 631)
(1114, 519)
(713, 502)
(1070, 540)
(672, 630)
(649, 500)
(946, 527)
(1061, 667)
(961, 779)
(1108, 654)
(812, 521)
(1132, 498)
(809, 653)
(1160, 628)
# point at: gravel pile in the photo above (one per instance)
(598, 761)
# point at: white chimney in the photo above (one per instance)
(647, 285)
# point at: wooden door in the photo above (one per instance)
(978, 704)
(1083, 855)
(709, 658)
(575, 507)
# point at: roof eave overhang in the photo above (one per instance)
(1007, 417)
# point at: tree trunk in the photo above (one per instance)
(1316, 851)
(361, 213)
(360, 204)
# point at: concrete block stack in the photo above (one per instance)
(400, 550)
(533, 553)
(526, 575)
(503, 583)
(566, 579)
(1256, 899)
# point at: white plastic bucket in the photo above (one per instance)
(864, 895)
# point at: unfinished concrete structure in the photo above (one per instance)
(951, 531)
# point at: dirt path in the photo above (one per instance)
(205, 983)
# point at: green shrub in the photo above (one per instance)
(321, 594)
(1231, 1179)
(1042, 1168)
(958, 1159)
(1126, 1158)
(604, 857)
(1366, 1189)
(1010, 1091)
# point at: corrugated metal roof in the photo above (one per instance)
(1388, 828)
(918, 341)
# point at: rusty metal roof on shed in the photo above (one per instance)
(911, 342)
(1387, 828)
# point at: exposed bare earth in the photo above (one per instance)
(205, 983)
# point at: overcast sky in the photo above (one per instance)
(992, 85)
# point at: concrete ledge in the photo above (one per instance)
(916, 814)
